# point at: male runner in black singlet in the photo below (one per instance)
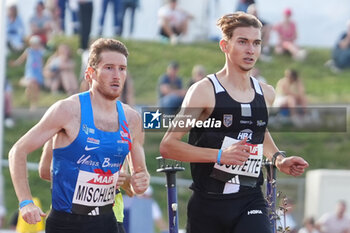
(226, 158)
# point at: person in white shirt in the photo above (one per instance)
(173, 21)
(337, 222)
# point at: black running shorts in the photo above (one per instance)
(246, 214)
(62, 222)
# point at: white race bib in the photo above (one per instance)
(95, 189)
(251, 168)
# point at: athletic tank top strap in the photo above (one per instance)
(217, 85)
(219, 88)
(86, 108)
(256, 85)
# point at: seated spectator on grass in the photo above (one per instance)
(287, 33)
(40, 23)
(173, 21)
(171, 92)
(290, 93)
(59, 71)
(33, 76)
(15, 29)
(341, 52)
(198, 73)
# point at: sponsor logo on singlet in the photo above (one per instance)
(95, 188)
(245, 122)
(88, 130)
(93, 140)
(260, 123)
(246, 133)
(228, 118)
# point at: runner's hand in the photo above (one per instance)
(236, 154)
(122, 179)
(31, 213)
(124, 183)
(140, 182)
(293, 165)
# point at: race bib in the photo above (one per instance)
(95, 188)
(251, 167)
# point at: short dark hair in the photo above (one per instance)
(102, 45)
(174, 65)
(229, 22)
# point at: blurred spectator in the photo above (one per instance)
(59, 71)
(255, 72)
(132, 5)
(40, 23)
(2, 215)
(309, 226)
(341, 52)
(54, 11)
(173, 21)
(265, 34)
(243, 5)
(9, 123)
(171, 92)
(85, 17)
(73, 7)
(287, 33)
(156, 211)
(14, 220)
(116, 14)
(33, 77)
(84, 86)
(127, 95)
(198, 73)
(15, 29)
(290, 93)
(285, 213)
(337, 222)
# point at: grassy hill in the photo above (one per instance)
(148, 60)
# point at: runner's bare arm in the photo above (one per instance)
(198, 103)
(54, 120)
(140, 177)
(45, 161)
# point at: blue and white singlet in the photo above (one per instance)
(85, 172)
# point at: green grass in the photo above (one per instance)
(148, 60)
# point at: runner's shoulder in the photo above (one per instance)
(66, 107)
(269, 92)
(200, 94)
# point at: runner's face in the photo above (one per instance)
(244, 47)
(110, 74)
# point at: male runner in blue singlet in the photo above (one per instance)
(92, 135)
(226, 158)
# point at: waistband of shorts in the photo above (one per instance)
(243, 192)
(77, 217)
